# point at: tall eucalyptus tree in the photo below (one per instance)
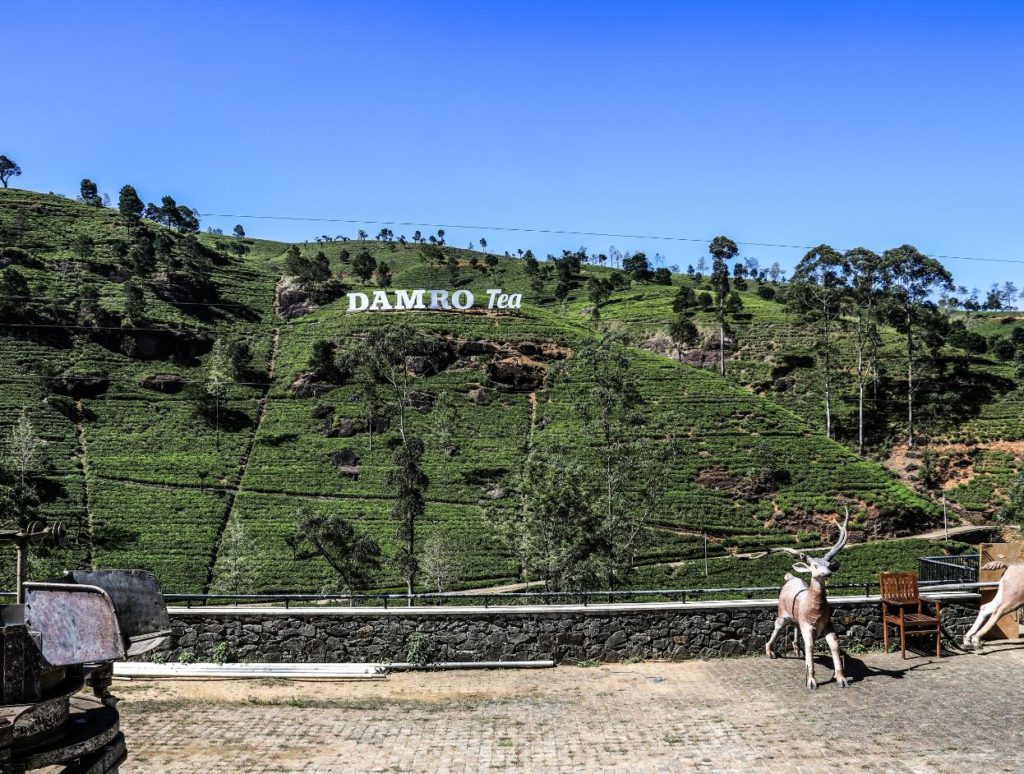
(818, 291)
(914, 278)
(868, 281)
(722, 251)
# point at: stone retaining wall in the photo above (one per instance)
(564, 634)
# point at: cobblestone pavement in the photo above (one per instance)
(959, 713)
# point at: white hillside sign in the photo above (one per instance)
(401, 300)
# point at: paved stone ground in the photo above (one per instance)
(921, 715)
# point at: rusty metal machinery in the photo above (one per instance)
(58, 637)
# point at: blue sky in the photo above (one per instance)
(858, 123)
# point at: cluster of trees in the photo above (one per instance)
(830, 289)
(639, 268)
(179, 264)
(723, 299)
(307, 270)
(582, 514)
(229, 362)
(747, 268)
(565, 269)
(380, 365)
(999, 297)
(181, 218)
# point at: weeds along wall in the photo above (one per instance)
(565, 634)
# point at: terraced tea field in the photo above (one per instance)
(146, 479)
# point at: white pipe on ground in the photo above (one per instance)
(406, 666)
(135, 670)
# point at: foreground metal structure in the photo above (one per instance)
(59, 637)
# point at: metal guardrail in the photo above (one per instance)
(962, 568)
(510, 598)
(961, 582)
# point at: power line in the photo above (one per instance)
(557, 232)
(533, 230)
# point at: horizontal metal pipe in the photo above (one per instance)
(405, 666)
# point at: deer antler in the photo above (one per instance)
(795, 552)
(842, 536)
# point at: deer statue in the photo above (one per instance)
(1009, 597)
(807, 607)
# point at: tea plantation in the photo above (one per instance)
(146, 477)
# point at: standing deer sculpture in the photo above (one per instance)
(807, 607)
(1009, 597)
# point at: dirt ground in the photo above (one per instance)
(921, 715)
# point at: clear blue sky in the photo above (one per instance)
(857, 123)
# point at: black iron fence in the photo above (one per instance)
(948, 569)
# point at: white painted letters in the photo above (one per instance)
(406, 300)
(380, 301)
(439, 299)
(409, 299)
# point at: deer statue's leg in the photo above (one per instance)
(796, 640)
(808, 635)
(779, 623)
(837, 659)
(973, 636)
(993, 619)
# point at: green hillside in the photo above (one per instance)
(145, 476)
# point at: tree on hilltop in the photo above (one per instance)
(89, 193)
(491, 262)
(130, 206)
(638, 267)
(238, 231)
(722, 250)
(8, 169)
(685, 300)
(363, 266)
(599, 290)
